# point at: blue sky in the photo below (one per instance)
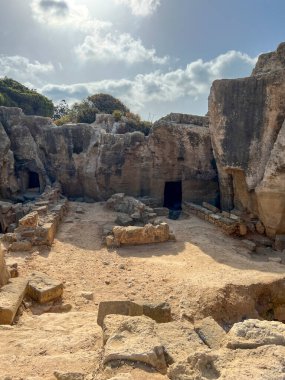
(158, 56)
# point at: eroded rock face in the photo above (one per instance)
(93, 161)
(246, 123)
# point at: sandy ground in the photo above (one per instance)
(201, 256)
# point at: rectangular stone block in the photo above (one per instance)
(11, 297)
(42, 288)
(210, 207)
(210, 332)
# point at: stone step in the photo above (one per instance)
(11, 297)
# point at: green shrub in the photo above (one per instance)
(14, 94)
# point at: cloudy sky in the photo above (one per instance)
(157, 56)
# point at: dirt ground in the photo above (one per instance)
(201, 257)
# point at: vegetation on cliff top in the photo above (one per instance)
(86, 111)
(14, 94)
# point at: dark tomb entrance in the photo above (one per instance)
(34, 180)
(173, 198)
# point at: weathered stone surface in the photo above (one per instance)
(141, 235)
(266, 363)
(94, 161)
(44, 289)
(23, 245)
(250, 159)
(133, 339)
(117, 307)
(124, 220)
(30, 220)
(179, 340)
(210, 332)
(11, 297)
(4, 273)
(254, 333)
(69, 375)
(160, 312)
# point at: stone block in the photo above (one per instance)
(210, 207)
(42, 210)
(210, 332)
(30, 220)
(118, 307)
(11, 297)
(141, 235)
(46, 233)
(179, 340)
(43, 289)
(20, 246)
(160, 312)
(133, 339)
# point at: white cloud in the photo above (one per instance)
(116, 47)
(141, 7)
(22, 69)
(66, 13)
(101, 41)
(156, 87)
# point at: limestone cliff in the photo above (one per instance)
(93, 161)
(246, 118)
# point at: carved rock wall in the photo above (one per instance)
(90, 162)
(246, 124)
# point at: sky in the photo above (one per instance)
(157, 56)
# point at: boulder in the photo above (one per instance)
(124, 220)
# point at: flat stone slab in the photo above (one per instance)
(11, 297)
(210, 332)
(43, 289)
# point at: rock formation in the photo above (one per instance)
(89, 161)
(247, 130)
(233, 158)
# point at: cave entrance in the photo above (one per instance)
(173, 198)
(34, 181)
